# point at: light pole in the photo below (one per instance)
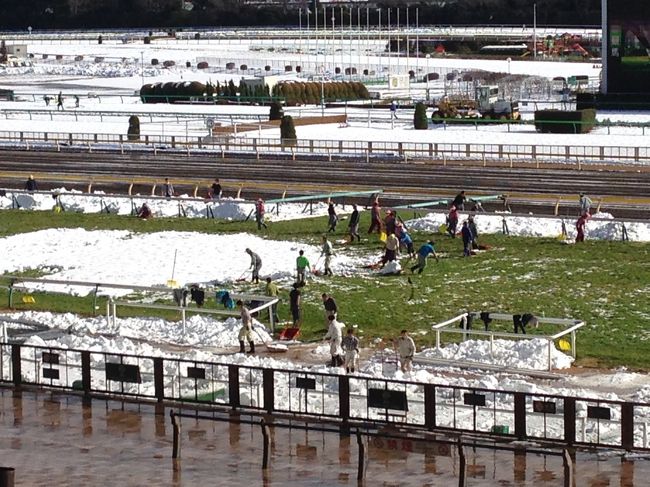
(534, 31)
(333, 41)
(300, 36)
(379, 35)
(142, 67)
(322, 91)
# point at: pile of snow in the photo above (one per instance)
(597, 227)
(120, 256)
(390, 268)
(200, 330)
(230, 209)
(520, 354)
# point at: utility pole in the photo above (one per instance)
(534, 31)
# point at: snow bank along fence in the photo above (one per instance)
(182, 202)
(465, 320)
(346, 401)
(266, 303)
(502, 154)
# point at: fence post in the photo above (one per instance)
(159, 378)
(627, 426)
(173, 141)
(269, 391)
(16, 365)
(569, 420)
(361, 469)
(462, 473)
(176, 444)
(344, 403)
(7, 476)
(430, 406)
(266, 438)
(568, 468)
(520, 415)
(86, 380)
(233, 386)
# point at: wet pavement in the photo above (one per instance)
(56, 439)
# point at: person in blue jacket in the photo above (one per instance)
(423, 252)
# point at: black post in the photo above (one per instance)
(627, 426)
(233, 386)
(568, 468)
(569, 420)
(430, 406)
(462, 474)
(344, 403)
(7, 476)
(520, 415)
(16, 365)
(269, 391)
(266, 438)
(361, 470)
(176, 445)
(85, 372)
(159, 378)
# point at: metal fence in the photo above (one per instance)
(340, 398)
(398, 151)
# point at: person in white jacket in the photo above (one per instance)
(335, 336)
(406, 349)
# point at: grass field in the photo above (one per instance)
(607, 284)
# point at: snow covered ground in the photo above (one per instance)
(122, 72)
(147, 258)
(209, 339)
(597, 228)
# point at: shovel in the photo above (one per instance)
(242, 276)
(271, 347)
(171, 282)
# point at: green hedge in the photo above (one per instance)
(420, 121)
(565, 122)
(309, 93)
(187, 90)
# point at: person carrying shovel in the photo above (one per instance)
(256, 265)
(246, 332)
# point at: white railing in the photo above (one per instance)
(570, 326)
(398, 151)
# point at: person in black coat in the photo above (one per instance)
(353, 225)
(30, 184)
(459, 201)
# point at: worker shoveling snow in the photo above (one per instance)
(146, 258)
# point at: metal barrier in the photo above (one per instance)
(504, 154)
(346, 400)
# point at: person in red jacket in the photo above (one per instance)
(580, 227)
(452, 221)
(259, 213)
(375, 218)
